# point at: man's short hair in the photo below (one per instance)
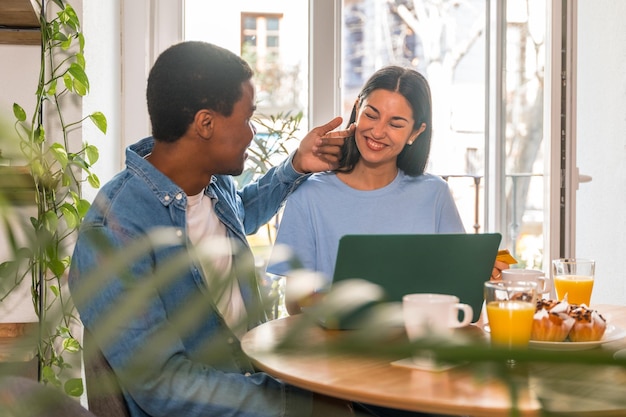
(188, 77)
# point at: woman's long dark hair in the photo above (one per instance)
(415, 89)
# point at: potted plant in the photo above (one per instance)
(58, 161)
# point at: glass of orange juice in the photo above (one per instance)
(573, 278)
(510, 309)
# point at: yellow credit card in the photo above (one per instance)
(505, 256)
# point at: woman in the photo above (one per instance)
(380, 186)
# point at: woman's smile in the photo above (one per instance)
(374, 144)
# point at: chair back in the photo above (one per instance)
(104, 394)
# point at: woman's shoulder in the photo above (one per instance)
(425, 178)
(319, 180)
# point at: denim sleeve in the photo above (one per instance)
(128, 308)
(262, 199)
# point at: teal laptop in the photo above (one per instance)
(455, 264)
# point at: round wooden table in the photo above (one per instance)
(457, 391)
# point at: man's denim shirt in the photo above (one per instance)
(147, 303)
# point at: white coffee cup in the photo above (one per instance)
(533, 275)
(433, 314)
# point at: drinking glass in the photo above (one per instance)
(510, 311)
(534, 275)
(573, 278)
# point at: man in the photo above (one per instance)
(162, 275)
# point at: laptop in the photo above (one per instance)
(455, 264)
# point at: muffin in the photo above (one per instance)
(589, 325)
(551, 322)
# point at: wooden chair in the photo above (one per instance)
(104, 394)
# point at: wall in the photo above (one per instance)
(101, 26)
(601, 144)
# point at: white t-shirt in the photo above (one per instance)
(209, 235)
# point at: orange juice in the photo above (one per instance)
(577, 287)
(510, 322)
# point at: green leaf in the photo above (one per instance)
(82, 206)
(99, 120)
(49, 376)
(67, 81)
(64, 332)
(93, 180)
(80, 60)
(71, 18)
(81, 41)
(51, 221)
(40, 134)
(57, 267)
(36, 168)
(55, 290)
(59, 36)
(71, 345)
(74, 387)
(79, 75)
(92, 154)
(66, 180)
(52, 89)
(80, 162)
(80, 88)
(70, 215)
(19, 112)
(65, 45)
(8, 269)
(60, 154)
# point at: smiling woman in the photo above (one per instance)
(380, 186)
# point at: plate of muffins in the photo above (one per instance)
(558, 325)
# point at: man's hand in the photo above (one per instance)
(320, 149)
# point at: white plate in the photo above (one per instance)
(611, 334)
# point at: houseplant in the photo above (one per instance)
(59, 161)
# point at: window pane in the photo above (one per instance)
(249, 40)
(272, 23)
(272, 41)
(524, 167)
(249, 22)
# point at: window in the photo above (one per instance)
(269, 35)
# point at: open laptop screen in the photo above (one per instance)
(456, 264)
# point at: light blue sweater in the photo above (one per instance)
(324, 209)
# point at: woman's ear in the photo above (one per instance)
(415, 134)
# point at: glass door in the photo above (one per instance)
(598, 222)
